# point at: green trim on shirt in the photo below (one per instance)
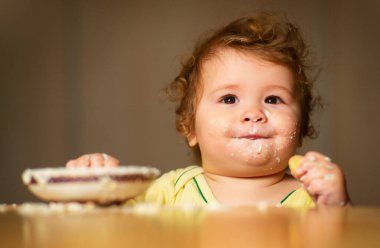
(183, 173)
(199, 190)
(286, 197)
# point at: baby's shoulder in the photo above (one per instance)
(164, 189)
(180, 176)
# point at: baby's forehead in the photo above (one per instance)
(227, 60)
(221, 55)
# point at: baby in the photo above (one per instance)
(244, 105)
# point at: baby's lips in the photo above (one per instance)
(294, 163)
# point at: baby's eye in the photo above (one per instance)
(229, 99)
(273, 100)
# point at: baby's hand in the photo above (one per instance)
(323, 180)
(93, 160)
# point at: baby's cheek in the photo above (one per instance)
(288, 131)
(290, 136)
(216, 128)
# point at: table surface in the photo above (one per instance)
(75, 225)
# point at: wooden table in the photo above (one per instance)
(58, 225)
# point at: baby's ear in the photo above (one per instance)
(192, 139)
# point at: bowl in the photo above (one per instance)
(104, 185)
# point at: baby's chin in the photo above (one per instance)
(242, 165)
(252, 150)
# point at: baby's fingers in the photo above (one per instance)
(82, 161)
(321, 172)
(311, 160)
(93, 160)
(326, 193)
(110, 161)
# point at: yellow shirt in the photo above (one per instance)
(188, 186)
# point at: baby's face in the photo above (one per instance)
(247, 120)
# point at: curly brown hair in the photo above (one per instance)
(273, 38)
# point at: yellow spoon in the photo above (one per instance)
(294, 162)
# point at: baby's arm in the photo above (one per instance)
(323, 180)
(93, 160)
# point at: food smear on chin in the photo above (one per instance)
(251, 149)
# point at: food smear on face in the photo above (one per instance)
(253, 141)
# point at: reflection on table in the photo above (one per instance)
(65, 225)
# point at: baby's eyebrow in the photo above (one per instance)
(232, 87)
(280, 87)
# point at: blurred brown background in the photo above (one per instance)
(86, 76)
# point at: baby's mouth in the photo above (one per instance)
(252, 137)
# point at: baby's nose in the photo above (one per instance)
(254, 116)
